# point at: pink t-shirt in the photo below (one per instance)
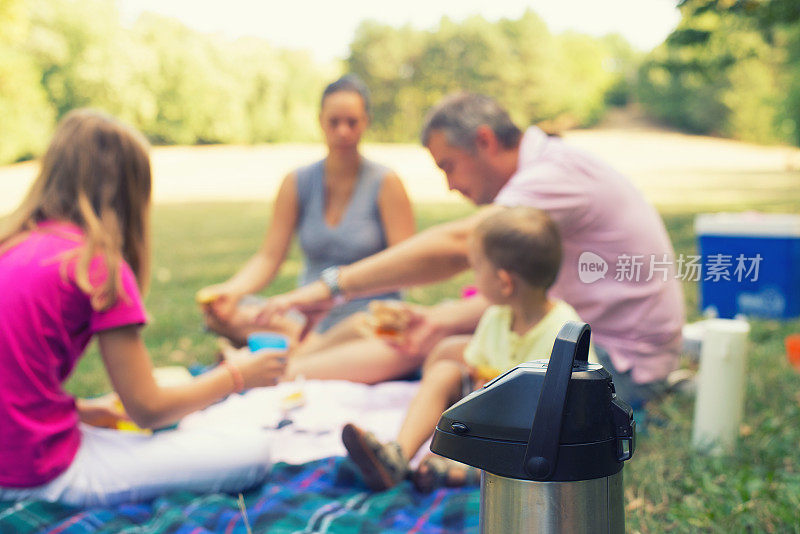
(605, 221)
(46, 321)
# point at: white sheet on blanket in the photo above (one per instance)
(316, 427)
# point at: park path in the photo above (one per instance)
(672, 169)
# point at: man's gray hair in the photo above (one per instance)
(460, 115)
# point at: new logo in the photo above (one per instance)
(591, 267)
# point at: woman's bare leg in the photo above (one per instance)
(349, 329)
(367, 360)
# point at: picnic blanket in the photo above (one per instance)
(312, 430)
(312, 488)
(320, 496)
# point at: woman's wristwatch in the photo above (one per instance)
(330, 277)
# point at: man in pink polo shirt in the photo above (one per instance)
(636, 309)
(617, 269)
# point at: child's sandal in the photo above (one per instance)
(381, 464)
(437, 471)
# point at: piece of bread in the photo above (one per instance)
(205, 297)
(388, 319)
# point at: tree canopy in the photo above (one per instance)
(731, 67)
(180, 86)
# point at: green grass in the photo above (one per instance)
(668, 487)
(671, 488)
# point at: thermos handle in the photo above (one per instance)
(572, 343)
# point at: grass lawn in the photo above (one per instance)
(668, 488)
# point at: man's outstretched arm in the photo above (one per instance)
(432, 255)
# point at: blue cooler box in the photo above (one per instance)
(730, 244)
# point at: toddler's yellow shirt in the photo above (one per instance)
(496, 346)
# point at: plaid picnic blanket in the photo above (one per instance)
(320, 496)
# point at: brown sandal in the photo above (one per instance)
(381, 464)
(436, 471)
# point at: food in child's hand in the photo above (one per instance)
(127, 425)
(168, 376)
(205, 296)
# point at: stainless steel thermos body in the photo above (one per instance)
(510, 505)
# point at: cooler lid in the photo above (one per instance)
(749, 224)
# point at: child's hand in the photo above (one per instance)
(261, 368)
(105, 411)
(218, 302)
(291, 324)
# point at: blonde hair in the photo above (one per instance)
(96, 175)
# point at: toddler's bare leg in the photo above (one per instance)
(440, 388)
(450, 348)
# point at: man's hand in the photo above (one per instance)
(425, 329)
(430, 324)
(313, 301)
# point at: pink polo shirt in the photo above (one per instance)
(605, 220)
(46, 321)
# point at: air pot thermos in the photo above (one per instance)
(550, 438)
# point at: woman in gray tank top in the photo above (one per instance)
(343, 208)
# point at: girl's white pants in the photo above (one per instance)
(112, 467)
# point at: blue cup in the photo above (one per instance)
(267, 340)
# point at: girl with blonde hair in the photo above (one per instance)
(74, 258)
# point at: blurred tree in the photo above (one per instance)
(624, 62)
(534, 75)
(769, 15)
(728, 69)
(716, 73)
(388, 59)
(790, 123)
(73, 43)
(530, 70)
(260, 73)
(467, 56)
(195, 102)
(301, 96)
(175, 84)
(184, 87)
(26, 117)
(586, 76)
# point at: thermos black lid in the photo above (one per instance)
(556, 420)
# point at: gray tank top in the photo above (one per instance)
(358, 234)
